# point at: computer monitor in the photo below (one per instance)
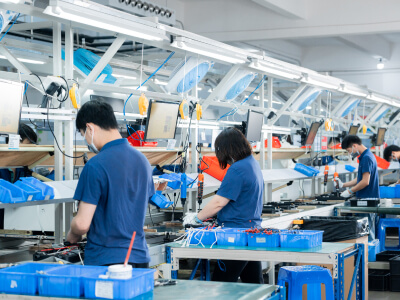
(312, 133)
(255, 120)
(380, 138)
(10, 106)
(354, 129)
(116, 104)
(162, 118)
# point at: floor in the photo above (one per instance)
(383, 296)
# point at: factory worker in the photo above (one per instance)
(367, 183)
(392, 153)
(113, 191)
(238, 202)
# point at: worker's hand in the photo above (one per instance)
(346, 194)
(191, 219)
(339, 182)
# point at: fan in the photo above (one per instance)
(238, 83)
(187, 74)
(305, 98)
(344, 110)
(5, 18)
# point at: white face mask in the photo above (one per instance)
(354, 154)
(91, 146)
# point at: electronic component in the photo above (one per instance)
(183, 189)
(326, 173)
(354, 129)
(10, 106)
(162, 118)
(200, 188)
(255, 120)
(336, 181)
(380, 138)
(312, 133)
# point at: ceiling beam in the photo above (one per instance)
(374, 45)
(30, 26)
(293, 9)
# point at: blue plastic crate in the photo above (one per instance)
(67, 281)
(232, 237)
(301, 238)
(264, 240)
(10, 193)
(142, 281)
(387, 192)
(160, 200)
(350, 168)
(306, 170)
(23, 279)
(176, 180)
(205, 237)
(373, 249)
(46, 190)
(397, 191)
(30, 193)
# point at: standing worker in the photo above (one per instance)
(113, 190)
(238, 203)
(367, 183)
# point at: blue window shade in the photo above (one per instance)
(239, 87)
(309, 100)
(350, 108)
(382, 115)
(193, 77)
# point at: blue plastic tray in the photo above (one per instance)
(205, 237)
(301, 238)
(160, 200)
(142, 281)
(387, 192)
(176, 180)
(23, 279)
(67, 281)
(264, 240)
(373, 249)
(10, 193)
(349, 168)
(232, 237)
(306, 170)
(47, 191)
(30, 193)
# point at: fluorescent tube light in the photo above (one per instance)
(159, 82)
(123, 76)
(272, 70)
(26, 60)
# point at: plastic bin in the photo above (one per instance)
(301, 238)
(176, 180)
(23, 279)
(382, 163)
(276, 143)
(137, 139)
(378, 280)
(306, 170)
(387, 192)
(142, 281)
(232, 237)
(394, 283)
(47, 191)
(160, 200)
(263, 240)
(210, 165)
(67, 281)
(386, 255)
(202, 236)
(397, 191)
(373, 249)
(10, 193)
(350, 168)
(30, 193)
(394, 265)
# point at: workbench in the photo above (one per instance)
(329, 253)
(195, 290)
(389, 210)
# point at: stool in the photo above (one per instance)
(313, 276)
(383, 224)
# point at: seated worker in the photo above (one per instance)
(392, 153)
(238, 203)
(113, 190)
(367, 183)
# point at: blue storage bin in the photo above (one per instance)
(373, 249)
(349, 168)
(232, 237)
(301, 238)
(23, 279)
(306, 170)
(264, 240)
(46, 190)
(142, 281)
(176, 180)
(160, 200)
(205, 237)
(387, 192)
(67, 281)
(10, 193)
(30, 193)
(397, 191)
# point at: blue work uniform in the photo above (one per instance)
(367, 163)
(243, 186)
(119, 181)
(12, 177)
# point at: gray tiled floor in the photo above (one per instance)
(383, 296)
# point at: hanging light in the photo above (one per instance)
(380, 64)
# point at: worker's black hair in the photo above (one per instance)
(387, 153)
(350, 140)
(26, 133)
(231, 144)
(96, 112)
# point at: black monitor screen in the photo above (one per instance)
(353, 129)
(162, 118)
(10, 106)
(116, 104)
(255, 122)
(312, 133)
(380, 137)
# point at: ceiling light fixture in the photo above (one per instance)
(272, 70)
(124, 76)
(380, 64)
(26, 60)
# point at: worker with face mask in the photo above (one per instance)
(392, 153)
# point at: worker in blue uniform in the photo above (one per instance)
(392, 153)
(238, 203)
(367, 183)
(113, 190)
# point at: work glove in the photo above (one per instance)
(346, 194)
(338, 181)
(191, 219)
